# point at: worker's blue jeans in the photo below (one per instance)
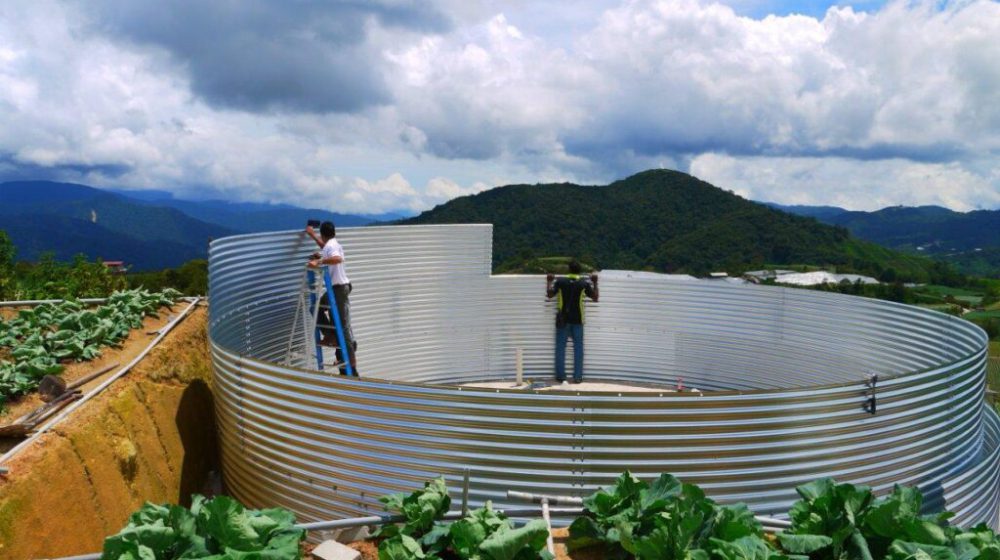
(563, 333)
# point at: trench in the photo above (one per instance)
(149, 437)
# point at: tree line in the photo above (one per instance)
(48, 278)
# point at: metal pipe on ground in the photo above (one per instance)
(450, 516)
(381, 520)
(34, 302)
(97, 390)
(550, 544)
(769, 523)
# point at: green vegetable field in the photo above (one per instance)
(671, 520)
(485, 534)
(39, 341)
(219, 528)
(661, 520)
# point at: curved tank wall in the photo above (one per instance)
(782, 374)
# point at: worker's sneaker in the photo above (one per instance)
(564, 382)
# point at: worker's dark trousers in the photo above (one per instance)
(325, 319)
(563, 333)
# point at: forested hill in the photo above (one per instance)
(662, 220)
(968, 240)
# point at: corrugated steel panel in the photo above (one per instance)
(782, 372)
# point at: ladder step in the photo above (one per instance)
(317, 298)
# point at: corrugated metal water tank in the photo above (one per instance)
(782, 374)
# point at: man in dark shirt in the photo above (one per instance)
(569, 316)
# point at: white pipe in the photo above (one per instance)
(519, 364)
(573, 500)
(539, 498)
(452, 515)
(549, 544)
(34, 302)
(163, 332)
(381, 520)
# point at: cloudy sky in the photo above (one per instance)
(371, 106)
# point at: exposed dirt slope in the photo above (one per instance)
(150, 436)
(136, 341)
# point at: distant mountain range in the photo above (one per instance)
(149, 230)
(666, 221)
(260, 216)
(658, 220)
(970, 240)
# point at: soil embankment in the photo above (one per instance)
(148, 437)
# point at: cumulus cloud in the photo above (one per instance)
(668, 80)
(851, 184)
(368, 107)
(692, 78)
(260, 55)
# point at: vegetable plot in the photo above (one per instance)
(670, 520)
(662, 520)
(40, 340)
(666, 520)
(843, 521)
(484, 534)
(217, 529)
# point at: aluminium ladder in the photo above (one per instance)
(307, 319)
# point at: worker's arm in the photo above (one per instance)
(335, 259)
(316, 238)
(550, 289)
(592, 291)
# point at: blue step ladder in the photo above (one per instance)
(307, 318)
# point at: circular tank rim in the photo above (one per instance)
(321, 443)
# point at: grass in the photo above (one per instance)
(969, 297)
(995, 348)
(906, 265)
(949, 308)
(982, 315)
(948, 290)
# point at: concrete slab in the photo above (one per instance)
(333, 550)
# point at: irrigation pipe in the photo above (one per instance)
(97, 390)
(35, 302)
(769, 523)
(381, 520)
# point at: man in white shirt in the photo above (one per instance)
(331, 255)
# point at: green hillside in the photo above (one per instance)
(665, 221)
(115, 213)
(970, 241)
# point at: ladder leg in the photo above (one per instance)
(299, 313)
(301, 317)
(341, 339)
(311, 276)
